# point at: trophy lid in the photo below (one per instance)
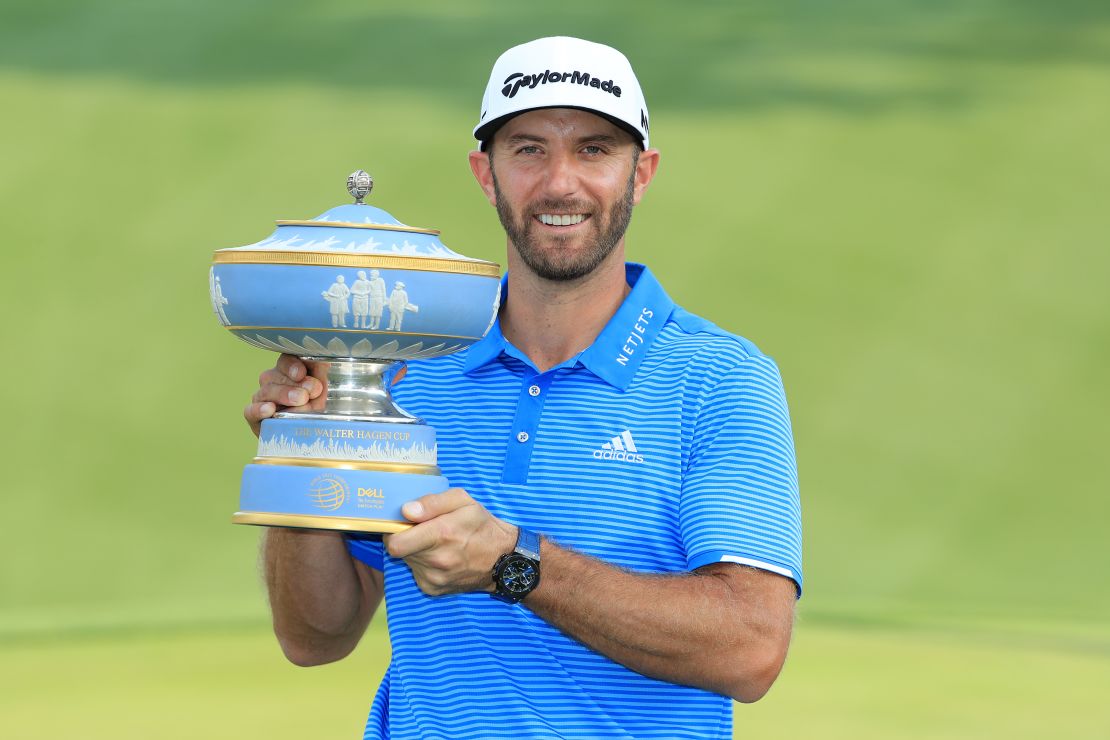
(354, 283)
(351, 229)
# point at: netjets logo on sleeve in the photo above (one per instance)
(620, 448)
(517, 80)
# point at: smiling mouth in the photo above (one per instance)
(561, 219)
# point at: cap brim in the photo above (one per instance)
(486, 131)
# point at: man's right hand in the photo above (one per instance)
(291, 384)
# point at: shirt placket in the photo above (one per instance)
(529, 408)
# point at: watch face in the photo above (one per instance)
(519, 575)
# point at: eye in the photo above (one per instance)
(528, 149)
(592, 149)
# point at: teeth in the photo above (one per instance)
(561, 219)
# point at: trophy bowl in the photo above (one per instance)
(358, 289)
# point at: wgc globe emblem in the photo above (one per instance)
(328, 491)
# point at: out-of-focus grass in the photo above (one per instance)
(231, 683)
(839, 683)
(959, 684)
(931, 283)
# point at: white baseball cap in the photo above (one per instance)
(563, 72)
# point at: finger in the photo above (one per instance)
(436, 504)
(292, 366)
(318, 369)
(255, 413)
(284, 395)
(315, 405)
(291, 370)
(433, 524)
(302, 409)
(414, 540)
(274, 376)
(319, 401)
(317, 381)
(313, 385)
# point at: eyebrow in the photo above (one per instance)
(592, 138)
(520, 138)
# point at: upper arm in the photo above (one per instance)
(739, 499)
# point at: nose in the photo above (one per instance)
(561, 178)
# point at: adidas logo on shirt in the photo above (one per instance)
(620, 447)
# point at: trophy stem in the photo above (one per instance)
(358, 390)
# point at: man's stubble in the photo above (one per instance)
(559, 265)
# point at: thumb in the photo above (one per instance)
(435, 504)
(415, 511)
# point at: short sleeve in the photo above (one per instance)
(367, 548)
(739, 498)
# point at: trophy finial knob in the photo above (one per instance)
(359, 185)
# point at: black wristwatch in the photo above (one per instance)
(516, 574)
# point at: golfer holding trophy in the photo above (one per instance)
(616, 472)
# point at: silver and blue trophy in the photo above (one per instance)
(359, 290)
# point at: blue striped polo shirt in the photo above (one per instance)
(664, 446)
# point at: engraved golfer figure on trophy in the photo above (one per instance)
(336, 296)
(398, 304)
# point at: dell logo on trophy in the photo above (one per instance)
(361, 291)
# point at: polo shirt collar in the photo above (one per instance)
(619, 348)
(488, 348)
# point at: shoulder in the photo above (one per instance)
(717, 375)
(436, 367)
(700, 343)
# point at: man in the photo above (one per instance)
(218, 298)
(398, 304)
(336, 296)
(625, 469)
(377, 299)
(360, 300)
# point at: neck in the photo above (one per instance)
(552, 321)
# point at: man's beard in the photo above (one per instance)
(559, 265)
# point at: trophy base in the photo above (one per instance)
(343, 524)
(338, 474)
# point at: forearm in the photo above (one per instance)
(321, 603)
(708, 629)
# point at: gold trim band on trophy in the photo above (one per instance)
(383, 467)
(329, 330)
(308, 521)
(353, 225)
(237, 256)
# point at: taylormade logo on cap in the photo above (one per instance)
(563, 72)
(517, 80)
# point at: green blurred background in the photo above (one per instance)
(905, 203)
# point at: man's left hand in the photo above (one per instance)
(453, 544)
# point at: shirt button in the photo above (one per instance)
(522, 437)
(534, 391)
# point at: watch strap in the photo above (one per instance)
(527, 543)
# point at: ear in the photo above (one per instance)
(645, 172)
(483, 173)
